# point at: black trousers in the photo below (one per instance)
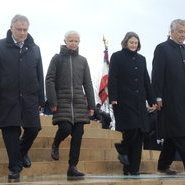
(17, 146)
(132, 146)
(76, 131)
(167, 155)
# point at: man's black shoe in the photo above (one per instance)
(168, 171)
(134, 173)
(55, 152)
(26, 161)
(73, 172)
(125, 173)
(131, 173)
(123, 159)
(13, 177)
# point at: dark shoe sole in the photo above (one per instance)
(125, 173)
(71, 178)
(75, 175)
(13, 180)
(168, 172)
(26, 166)
(134, 173)
(55, 153)
(131, 173)
(54, 158)
(122, 161)
(26, 162)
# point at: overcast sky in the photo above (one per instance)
(50, 19)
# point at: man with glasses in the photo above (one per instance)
(21, 94)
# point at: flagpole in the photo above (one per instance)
(105, 43)
(107, 107)
(106, 103)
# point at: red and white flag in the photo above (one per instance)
(103, 91)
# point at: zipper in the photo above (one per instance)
(72, 109)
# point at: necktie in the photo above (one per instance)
(20, 44)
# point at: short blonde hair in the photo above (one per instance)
(71, 33)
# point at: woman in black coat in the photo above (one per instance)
(129, 88)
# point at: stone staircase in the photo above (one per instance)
(98, 159)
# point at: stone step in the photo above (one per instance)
(88, 154)
(88, 167)
(60, 167)
(46, 142)
(41, 154)
(50, 131)
(90, 148)
(151, 179)
(150, 155)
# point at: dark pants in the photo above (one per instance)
(167, 155)
(76, 131)
(132, 146)
(17, 147)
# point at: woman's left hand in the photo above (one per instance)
(153, 107)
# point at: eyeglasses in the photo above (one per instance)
(21, 29)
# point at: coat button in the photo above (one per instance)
(137, 91)
(136, 79)
(136, 67)
(133, 58)
(20, 59)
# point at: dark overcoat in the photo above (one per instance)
(129, 85)
(21, 83)
(168, 79)
(69, 87)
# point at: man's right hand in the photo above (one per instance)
(53, 109)
(114, 102)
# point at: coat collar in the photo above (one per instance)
(174, 44)
(129, 52)
(65, 51)
(10, 42)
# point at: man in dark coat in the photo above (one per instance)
(71, 98)
(21, 93)
(168, 79)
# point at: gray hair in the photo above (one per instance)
(19, 18)
(176, 22)
(127, 37)
(71, 33)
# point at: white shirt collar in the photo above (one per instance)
(15, 40)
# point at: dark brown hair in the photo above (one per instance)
(127, 37)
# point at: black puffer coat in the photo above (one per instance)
(21, 83)
(129, 85)
(67, 78)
